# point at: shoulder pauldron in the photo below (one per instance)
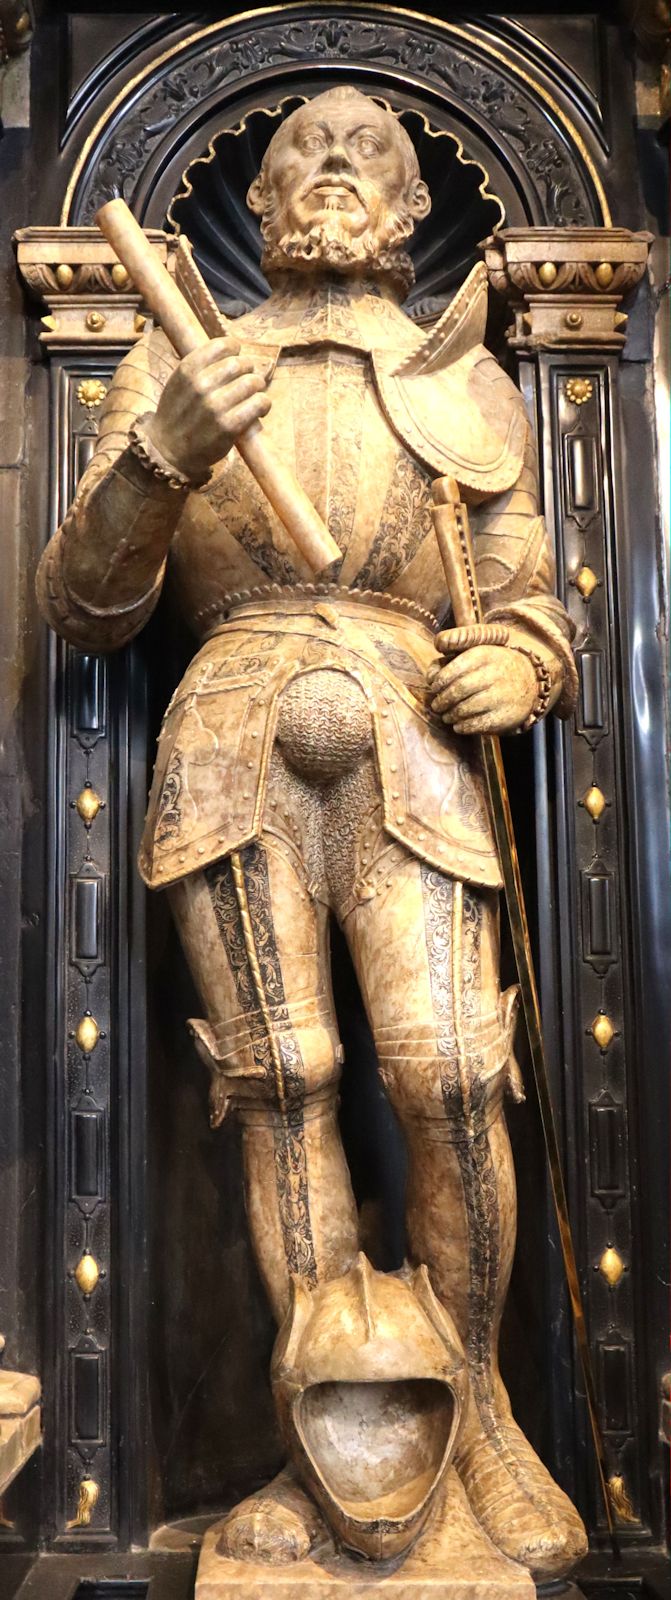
(450, 401)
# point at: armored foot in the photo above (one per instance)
(277, 1525)
(524, 1512)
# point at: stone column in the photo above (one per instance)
(95, 1382)
(566, 289)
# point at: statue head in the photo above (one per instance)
(340, 188)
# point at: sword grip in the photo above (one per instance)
(450, 520)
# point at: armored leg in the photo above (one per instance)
(257, 945)
(426, 952)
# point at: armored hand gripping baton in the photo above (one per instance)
(450, 519)
(186, 332)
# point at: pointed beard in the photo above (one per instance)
(331, 243)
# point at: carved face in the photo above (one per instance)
(339, 185)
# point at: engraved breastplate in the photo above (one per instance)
(327, 424)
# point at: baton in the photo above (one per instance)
(186, 333)
(450, 519)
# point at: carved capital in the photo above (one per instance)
(88, 295)
(566, 285)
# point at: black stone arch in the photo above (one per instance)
(513, 116)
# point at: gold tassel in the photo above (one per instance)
(619, 1499)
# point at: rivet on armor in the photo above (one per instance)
(594, 801)
(573, 319)
(547, 274)
(87, 1034)
(88, 804)
(87, 1273)
(579, 390)
(120, 277)
(604, 275)
(95, 321)
(602, 1030)
(586, 582)
(64, 275)
(91, 393)
(611, 1266)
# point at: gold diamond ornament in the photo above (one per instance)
(611, 1266)
(602, 1030)
(87, 1273)
(586, 582)
(87, 1034)
(88, 804)
(594, 801)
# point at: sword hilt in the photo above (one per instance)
(450, 520)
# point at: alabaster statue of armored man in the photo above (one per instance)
(319, 758)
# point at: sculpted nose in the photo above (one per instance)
(337, 159)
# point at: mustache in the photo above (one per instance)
(361, 190)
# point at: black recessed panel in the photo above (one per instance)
(88, 682)
(581, 450)
(590, 665)
(86, 898)
(87, 1154)
(606, 1149)
(86, 1375)
(599, 899)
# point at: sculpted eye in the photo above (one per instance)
(312, 142)
(368, 145)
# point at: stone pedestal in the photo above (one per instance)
(453, 1560)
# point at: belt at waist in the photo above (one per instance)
(302, 599)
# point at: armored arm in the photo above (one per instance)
(516, 578)
(102, 572)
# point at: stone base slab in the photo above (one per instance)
(453, 1560)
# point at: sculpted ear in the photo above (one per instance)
(419, 199)
(255, 196)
